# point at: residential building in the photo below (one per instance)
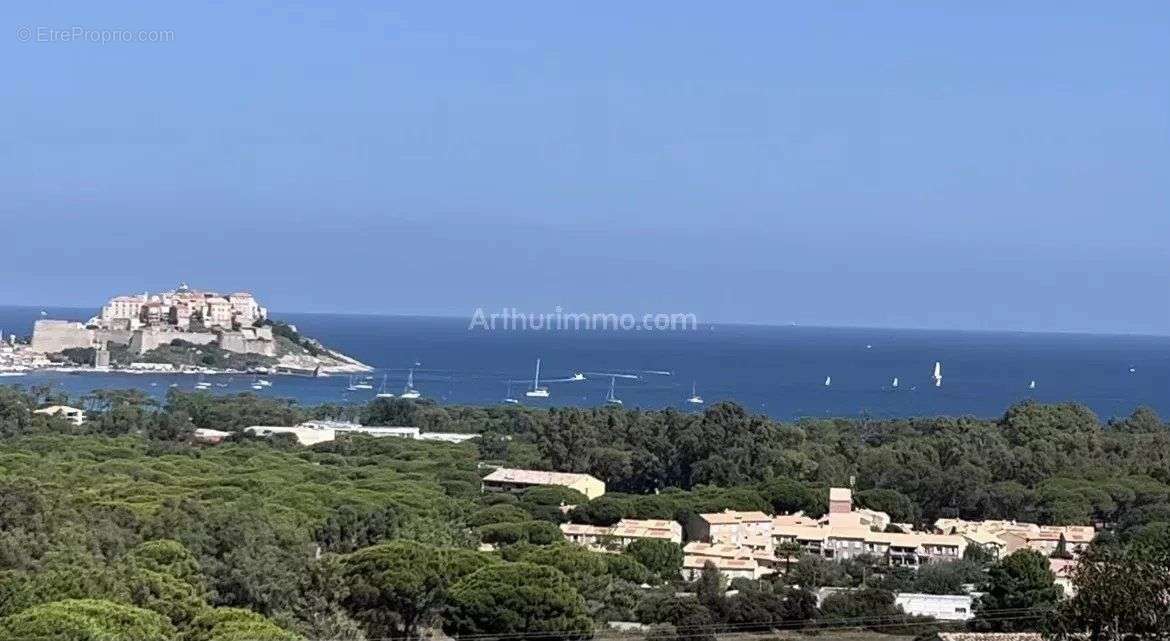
(123, 308)
(990, 543)
(180, 308)
(313, 432)
(840, 500)
(1062, 571)
(909, 550)
(514, 480)
(1015, 535)
(731, 526)
(71, 414)
(944, 607)
(767, 562)
(729, 568)
(591, 536)
(625, 532)
(210, 436)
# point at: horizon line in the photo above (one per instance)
(759, 324)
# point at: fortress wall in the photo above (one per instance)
(51, 336)
(145, 340)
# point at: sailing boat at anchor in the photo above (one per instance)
(695, 399)
(408, 391)
(537, 391)
(611, 399)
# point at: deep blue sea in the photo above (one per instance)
(779, 371)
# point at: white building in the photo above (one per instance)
(944, 607)
(71, 414)
(313, 432)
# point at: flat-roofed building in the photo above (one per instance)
(71, 414)
(320, 431)
(305, 435)
(210, 436)
(514, 480)
(944, 607)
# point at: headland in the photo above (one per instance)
(179, 331)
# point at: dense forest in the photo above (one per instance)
(123, 528)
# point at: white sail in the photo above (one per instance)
(537, 391)
(895, 383)
(695, 398)
(611, 398)
(1032, 385)
(937, 376)
(409, 392)
(828, 381)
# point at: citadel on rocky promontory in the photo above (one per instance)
(168, 327)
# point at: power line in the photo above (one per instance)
(870, 622)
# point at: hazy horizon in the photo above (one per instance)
(278, 314)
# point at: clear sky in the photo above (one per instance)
(984, 165)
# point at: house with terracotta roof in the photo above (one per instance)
(732, 527)
(625, 532)
(1016, 535)
(730, 568)
(506, 479)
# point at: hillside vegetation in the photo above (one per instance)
(123, 528)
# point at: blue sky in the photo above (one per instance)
(910, 164)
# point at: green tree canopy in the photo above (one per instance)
(512, 598)
(396, 587)
(86, 620)
(664, 558)
(1021, 591)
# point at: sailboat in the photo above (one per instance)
(256, 384)
(202, 384)
(577, 376)
(352, 385)
(508, 396)
(894, 384)
(1032, 385)
(695, 398)
(409, 391)
(537, 391)
(382, 393)
(937, 376)
(828, 381)
(611, 399)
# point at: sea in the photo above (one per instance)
(780, 371)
